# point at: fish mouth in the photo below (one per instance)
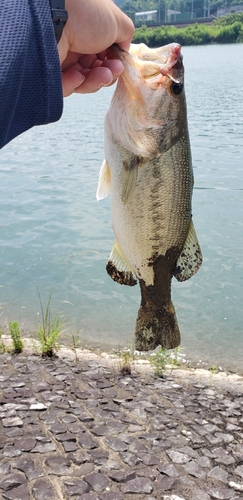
(150, 64)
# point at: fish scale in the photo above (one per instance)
(150, 186)
(154, 227)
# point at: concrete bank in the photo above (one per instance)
(77, 429)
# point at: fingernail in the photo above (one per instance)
(79, 83)
(106, 84)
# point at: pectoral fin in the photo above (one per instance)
(190, 258)
(104, 181)
(129, 178)
(118, 269)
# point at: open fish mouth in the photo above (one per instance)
(150, 64)
(148, 97)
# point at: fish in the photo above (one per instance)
(148, 174)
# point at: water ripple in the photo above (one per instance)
(53, 231)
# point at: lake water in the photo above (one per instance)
(53, 232)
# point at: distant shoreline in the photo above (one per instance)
(228, 29)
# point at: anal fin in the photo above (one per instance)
(118, 269)
(190, 259)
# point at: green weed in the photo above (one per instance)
(3, 347)
(163, 358)
(175, 357)
(75, 341)
(48, 333)
(126, 359)
(15, 333)
(213, 369)
(159, 360)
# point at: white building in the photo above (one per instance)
(171, 15)
(149, 15)
(223, 11)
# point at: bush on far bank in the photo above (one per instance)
(222, 30)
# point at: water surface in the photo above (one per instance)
(53, 232)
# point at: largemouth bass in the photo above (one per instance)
(148, 173)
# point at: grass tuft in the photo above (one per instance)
(162, 358)
(3, 347)
(159, 360)
(75, 342)
(48, 333)
(16, 336)
(127, 356)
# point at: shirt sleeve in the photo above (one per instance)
(30, 74)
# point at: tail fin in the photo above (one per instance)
(157, 327)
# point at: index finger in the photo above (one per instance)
(125, 33)
(125, 45)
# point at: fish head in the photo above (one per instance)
(148, 109)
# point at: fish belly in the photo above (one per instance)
(151, 228)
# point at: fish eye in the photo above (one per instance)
(176, 88)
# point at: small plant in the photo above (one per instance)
(162, 358)
(127, 358)
(3, 347)
(125, 367)
(213, 370)
(159, 360)
(50, 329)
(175, 357)
(15, 333)
(75, 342)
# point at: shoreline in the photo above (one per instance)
(139, 364)
(66, 340)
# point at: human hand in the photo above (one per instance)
(88, 72)
(92, 27)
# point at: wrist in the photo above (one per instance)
(59, 17)
(63, 47)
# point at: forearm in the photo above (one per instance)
(31, 63)
(30, 76)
